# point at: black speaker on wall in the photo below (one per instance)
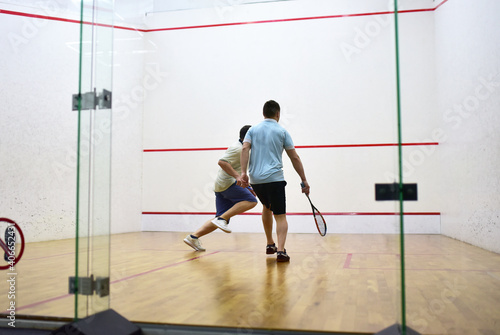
(103, 323)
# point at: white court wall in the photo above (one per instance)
(350, 90)
(129, 76)
(468, 77)
(335, 80)
(39, 130)
(38, 138)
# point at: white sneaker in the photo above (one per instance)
(221, 224)
(194, 243)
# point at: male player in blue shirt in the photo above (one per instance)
(267, 140)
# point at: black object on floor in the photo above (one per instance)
(23, 331)
(103, 323)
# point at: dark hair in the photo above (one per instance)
(243, 132)
(271, 108)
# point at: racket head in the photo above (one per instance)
(320, 222)
(318, 218)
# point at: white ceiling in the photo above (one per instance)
(176, 5)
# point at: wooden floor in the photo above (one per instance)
(348, 283)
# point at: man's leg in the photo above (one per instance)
(281, 230)
(238, 208)
(267, 222)
(222, 221)
(207, 228)
(193, 239)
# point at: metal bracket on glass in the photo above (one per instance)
(391, 192)
(87, 285)
(102, 286)
(91, 100)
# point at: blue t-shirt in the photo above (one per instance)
(268, 140)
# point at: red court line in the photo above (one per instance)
(369, 213)
(291, 19)
(364, 145)
(297, 213)
(347, 262)
(58, 255)
(183, 213)
(308, 146)
(440, 4)
(163, 267)
(53, 18)
(116, 281)
(41, 302)
(4, 246)
(183, 149)
(60, 19)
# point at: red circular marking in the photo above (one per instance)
(4, 267)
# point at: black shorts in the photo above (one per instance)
(272, 195)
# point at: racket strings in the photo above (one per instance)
(320, 222)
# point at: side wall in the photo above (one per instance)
(468, 78)
(38, 137)
(39, 129)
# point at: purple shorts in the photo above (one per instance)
(228, 198)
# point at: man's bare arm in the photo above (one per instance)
(226, 166)
(245, 157)
(299, 168)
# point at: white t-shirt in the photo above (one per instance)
(233, 157)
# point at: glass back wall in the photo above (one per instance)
(92, 242)
(43, 142)
(38, 150)
(450, 90)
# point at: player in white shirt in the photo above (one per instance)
(230, 199)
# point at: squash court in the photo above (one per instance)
(115, 121)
